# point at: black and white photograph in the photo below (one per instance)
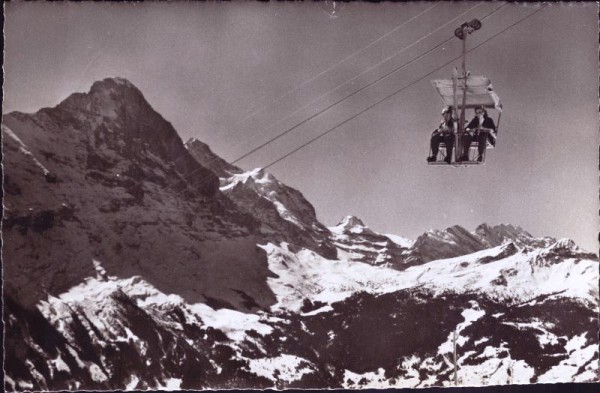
(300, 195)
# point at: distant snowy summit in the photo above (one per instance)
(359, 243)
(351, 224)
(354, 225)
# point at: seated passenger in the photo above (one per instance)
(480, 122)
(444, 133)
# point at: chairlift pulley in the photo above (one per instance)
(467, 28)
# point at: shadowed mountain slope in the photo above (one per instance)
(103, 176)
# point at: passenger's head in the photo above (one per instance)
(480, 111)
(447, 111)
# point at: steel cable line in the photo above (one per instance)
(353, 93)
(398, 91)
(362, 88)
(338, 63)
(324, 72)
(328, 69)
(203, 181)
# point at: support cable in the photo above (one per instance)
(287, 131)
(362, 88)
(397, 91)
(326, 71)
(339, 62)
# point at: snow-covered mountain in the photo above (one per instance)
(359, 243)
(282, 211)
(133, 261)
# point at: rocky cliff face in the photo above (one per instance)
(285, 215)
(492, 236)
(103, 176)
(282, 211)
(133, 261)
(205, 156)
(456, 240)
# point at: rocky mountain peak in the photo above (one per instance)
(117, 82)
(109, 98)
(205, 156)
(360, 243)
(115, 115)
(498, 234)
(450, 242)
(455, 233)
(351, 224)
(565, 248)
(351, 221)
(116, 85)
(282, 210)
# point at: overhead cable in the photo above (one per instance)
(396, 92)
(287, 131)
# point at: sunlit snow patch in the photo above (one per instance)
(233, 323)
(287, 367)
(94, 294)
(495, 371)
(470, 315)
(368, 380)
(133, 383)
(573, 368)
(307, 275)
(170, 384)
(401, 241)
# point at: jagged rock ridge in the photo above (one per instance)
(205, 156)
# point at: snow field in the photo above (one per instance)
(495, 371)
(94, 298)
(568, 370)
(308, 275)
(370, 380)
(470, 315)
(170, 384)
(284, 367)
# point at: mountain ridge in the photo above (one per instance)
(115, 195)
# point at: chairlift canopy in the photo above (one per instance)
(479, 92)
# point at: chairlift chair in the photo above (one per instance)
(464, 92)
(479, 92)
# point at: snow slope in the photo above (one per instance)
(514, 279)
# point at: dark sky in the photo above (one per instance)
(235, 74)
